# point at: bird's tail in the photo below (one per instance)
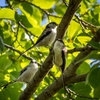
(25, 51)
(7, 84)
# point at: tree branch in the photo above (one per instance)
(12, 48)
(81, 49)
(73, 6)
(57, 85)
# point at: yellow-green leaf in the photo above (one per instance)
(45, 4)
(6, 13)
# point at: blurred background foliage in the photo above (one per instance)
(22, 22)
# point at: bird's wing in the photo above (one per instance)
(24, 69)
(47, 31)
(64, 61)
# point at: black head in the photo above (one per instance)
(60, 40)
(52, 25)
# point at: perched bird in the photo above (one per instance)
(60, 52)
(59, 57)
(26, 74)
(47, 37)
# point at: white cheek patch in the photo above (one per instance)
(54, 30)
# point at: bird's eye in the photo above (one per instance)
(35, 62)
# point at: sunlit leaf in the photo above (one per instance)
(7, 13)
(29, 16)
(83, 39)
(45, 4)
(73, 29)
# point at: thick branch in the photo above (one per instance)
(57, 85)
(73, 6)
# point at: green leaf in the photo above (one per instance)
(83, 39)
(1, 76)
(45, 4)
(94, 78)
(84, 68)
(94, 81)
(92, 55)
(82, 89)
(73, 29)
(93, 67)
(96, 45)
(83, 7)
(1, 44)
(6, 13)
(97, 9)
(25, 21)
(28, 15)
(12, 92)
(37, 15)
(97, 92)
(4, 62)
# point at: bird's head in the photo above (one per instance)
(59, 44)
(52, 25)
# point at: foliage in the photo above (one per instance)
(20, 25)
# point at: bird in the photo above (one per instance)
(26, 74)
(60, 52)
(59, 57)
(47, 37)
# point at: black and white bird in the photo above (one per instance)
(26, 74)
(59, 57)
(60, 52)
(47, 37)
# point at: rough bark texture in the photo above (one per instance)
(73, 6)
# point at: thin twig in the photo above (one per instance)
(82, 22)
(81, 49)
(46, 12)
(69, 51)
(9, 4)
(81, 96)
(12, 48)
(20, 23)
